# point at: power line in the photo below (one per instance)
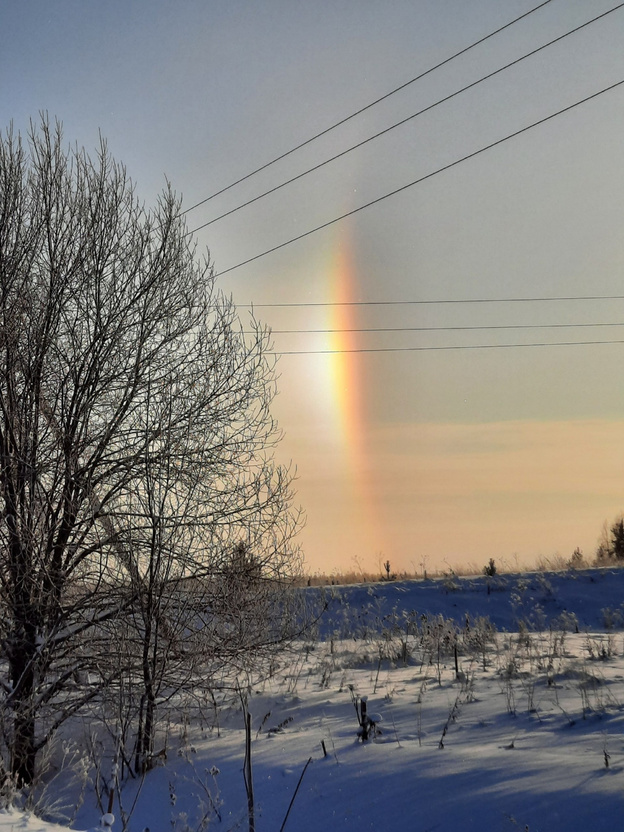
(304, 304)
(366, 107)
(424, 178)
(403, 121)
(436, 328)
(448, 347)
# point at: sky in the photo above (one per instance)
(443, 442)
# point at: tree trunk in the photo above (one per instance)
(149, 730)
(146, 728)
(23, 750)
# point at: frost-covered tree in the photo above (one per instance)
(617, 539)
(135, 435)
(611, 542)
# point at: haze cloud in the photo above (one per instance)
(462, 493)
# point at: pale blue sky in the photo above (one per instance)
(204, 92)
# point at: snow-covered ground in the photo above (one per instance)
(523, 730)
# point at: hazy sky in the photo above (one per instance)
(437, 457)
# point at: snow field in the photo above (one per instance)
(526, 733)
(519, 743)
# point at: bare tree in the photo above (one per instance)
(135, 431)
(198, 599)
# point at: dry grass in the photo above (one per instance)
(553, 563)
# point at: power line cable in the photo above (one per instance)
(448, 347)
(424, 178)
(367, 107)
(305, 304)
(437, 328)
(404, 120)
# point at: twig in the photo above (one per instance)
(295, 794)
